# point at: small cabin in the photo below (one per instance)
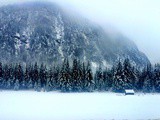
(129, 92)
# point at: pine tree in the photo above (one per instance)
(99, 80)
(147, 87)
(138, 82)
(50, 81)
(20, 75)
(1, 70)
(129, 75)
(23, 84)
(16, 85)
(48, 85)
(42, 75)
(56, 76)
(8, 84)
(89, 78)
(157, 77)
(30, 83)
(35, 73)
(108, 79)
(65, 77)
(37, 86)
(26, 78)
(11, 76)
(1, 75)
(81, 74)
(6, 76)
(118, 84)
(147, 79)
(68, 75)
(75, 76)
(8, 79)
(83, 77)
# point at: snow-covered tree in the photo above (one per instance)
(99, 80)
(35, 73)
(48, 86)
(50, 80)
(43, 75)
(11, 76)
(147, 86)
(89, 78)
(138, 81)
(1, 70)
(65, 77)
(75, 83)
(147, 79)
(30, 84)
(29, 75)
(118, 83)
(1, 75)
(26, 78)
(108, 78)
(16, 85)
(37, 86)
(83, 77)
(56, 74)
(157, 77)
(5, 75)
(8, 84)
(129, 75)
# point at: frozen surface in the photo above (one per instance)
(29, 105)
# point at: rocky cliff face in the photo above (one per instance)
(44, 32)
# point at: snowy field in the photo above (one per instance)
(29, 105)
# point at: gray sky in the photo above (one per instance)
(139, 20)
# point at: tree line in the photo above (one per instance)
(79, 77)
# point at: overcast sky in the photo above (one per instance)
(139, 20)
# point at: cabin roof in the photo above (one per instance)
(129, 91)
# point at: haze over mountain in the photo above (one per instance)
(45, 32)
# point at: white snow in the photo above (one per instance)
(27, 44)
(106, 64)
(29, 105)
(59, 27)
(94, 65)
(26, 34)
(18, 43)
(17, 34)
(86, 39)
(60, 51)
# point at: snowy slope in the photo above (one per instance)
(28, 105)
(45, 32)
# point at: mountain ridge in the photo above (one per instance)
(44, 32)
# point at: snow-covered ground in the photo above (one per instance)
(29, 105)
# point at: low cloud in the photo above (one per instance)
(138, 20)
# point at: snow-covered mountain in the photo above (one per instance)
(45, 32)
